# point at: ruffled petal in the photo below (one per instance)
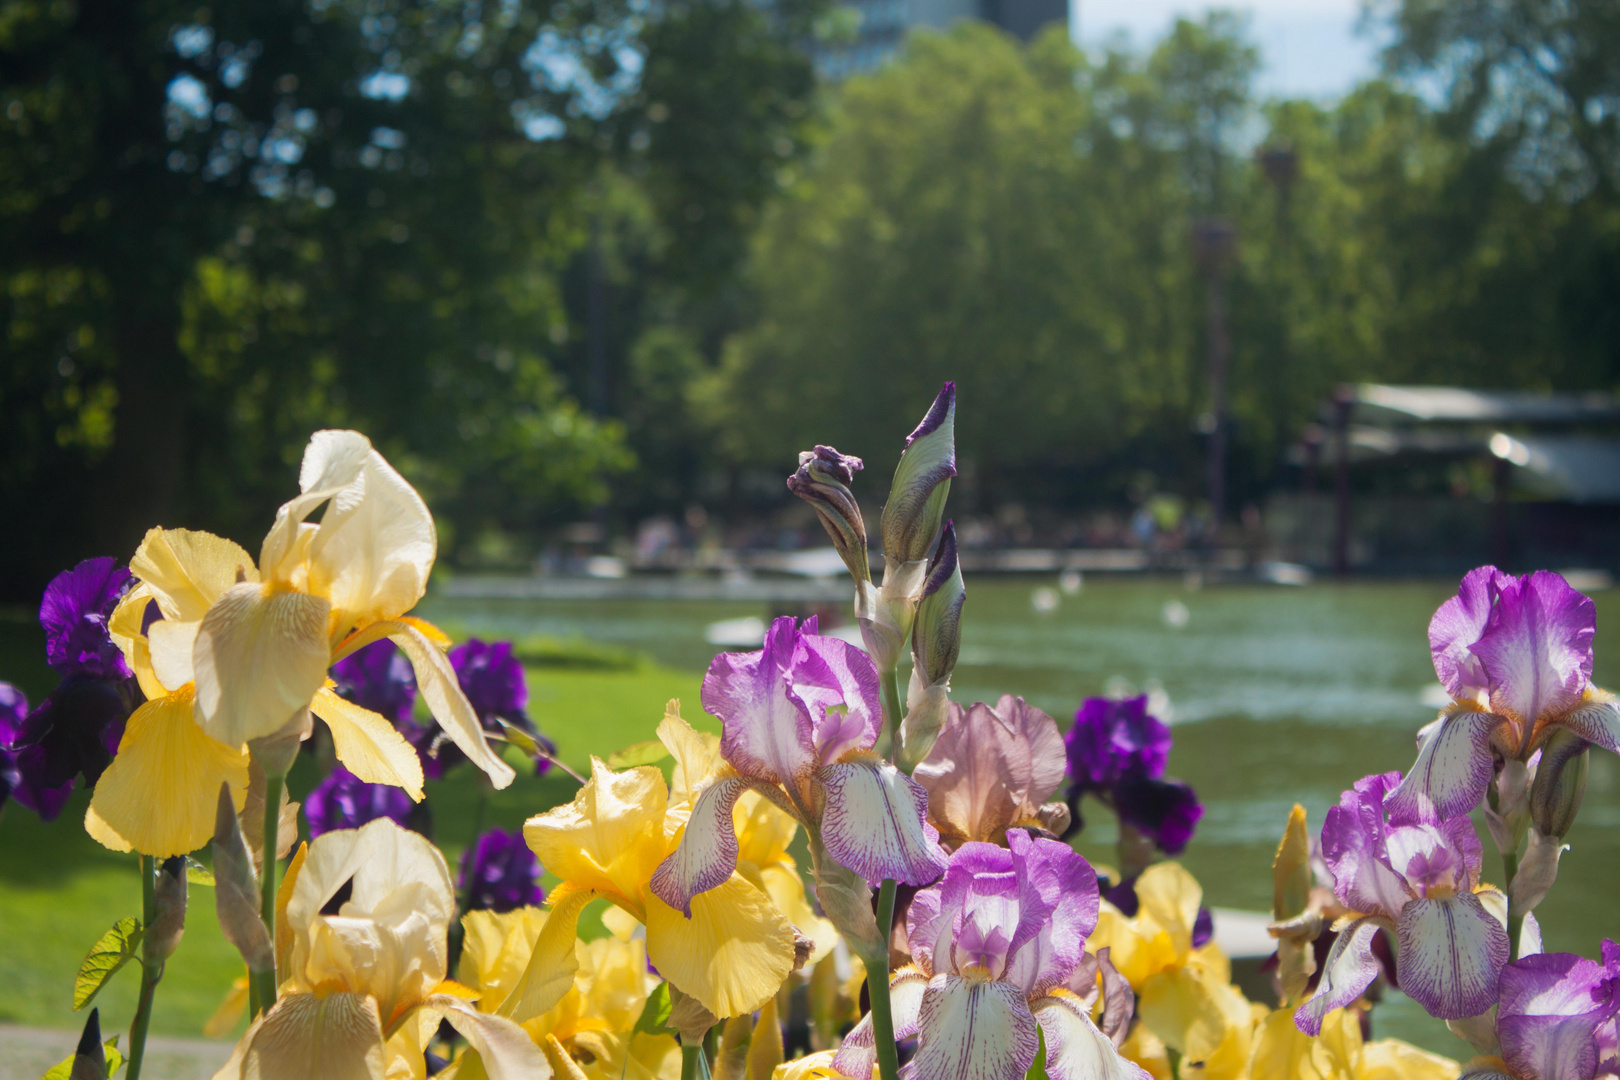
(1596, 720)
(332, 461)
(875, 823)
(506, 1051)
(707, 853)
(1075, 1048)
(260, 655)
(732, 954)
(1452, 770)
(1457, 625)
(1537, 646)
(186, 571)
(767, 731)
(696, 754)
(611, 837)
(857, 1054)
(549, 974)
(1350, 968)
(1452, 952)
(1550, 1009)
(973, 1029)
(436, 680)
(160, 794)
(368, 745)
(336, 1036)
(375, 547)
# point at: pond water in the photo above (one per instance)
(1277, 695)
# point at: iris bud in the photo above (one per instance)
(823, 481)
(89, 1060)
(936, 639)
(922, 480)
(1555, 795)
(163, 936)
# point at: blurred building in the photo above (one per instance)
(881, 26)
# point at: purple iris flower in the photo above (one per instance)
(499, 873)
(378, 677)
(1116, 738)
(493, 680)
(1555, 1018)
(1413, 877)
(74, 614)
(77, 728)
(998, 943)
(1118, 751)
(20, 771)
(1515, 653)
(799, 720)
(344, 801)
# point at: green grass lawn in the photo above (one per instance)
(59, 890)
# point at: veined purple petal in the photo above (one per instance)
(1537, 646)
(74, 614)
(1452, 770)
(839, 683)
(707, 854)
(973, 1029)
(767, 731)
(1350, 968)
(1452, 952)
(1550, 1009)
(874, 823)
(991, 767)
(1353, 848)
(1457, 625)
(975, 868)
(1075, 1048)
(1058, 903)
(1598, 722)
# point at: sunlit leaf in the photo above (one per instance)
(198, 874)
(642, 753)
(654, 1018)
(115, 949)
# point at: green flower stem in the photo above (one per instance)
(694, 1066)
(889, 685)
(1515, 919)
(877, 988)
(149, 977)
(266, 980)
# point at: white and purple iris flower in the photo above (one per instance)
(1555, 1019)
(999, 945)
(1414, 877)
(800, 718)
(1515, 654)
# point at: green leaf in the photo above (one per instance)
(198, 874)
(654, 1018)
(642, 753)
(63, 1070)
(115, 949)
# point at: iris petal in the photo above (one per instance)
(368, 745)
(437, 681)
(1451, 953)
(1452, 771)
(335, 1036)
(1075, 1048)
(857, 1055)
(1350, 968)
(731, 955)
(874, 823)
(260, 655)
(707, 853)
(973, 1029)
(160, 794)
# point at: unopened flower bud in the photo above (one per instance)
(1555, 795)
(163, 936)
(936, 638)
(89, 1061)
(236, 889)
(922, 480)
(823, 481)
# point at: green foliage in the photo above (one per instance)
(63, 1070)
(115, 949)
(654, 1019)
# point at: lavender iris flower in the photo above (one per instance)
(1117, 751)
(1416, 878)
(378, 677)
(344, 801)
(1555, 1018)
(800, 718)
(20, 770)
(999, 945)
(499, 873)
(77, 728)
(1515, 653)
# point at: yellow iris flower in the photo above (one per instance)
(737, 948)
(363, 990)
(241, 651)
(592, 1026)
(1185, 997)
(1283, 1052)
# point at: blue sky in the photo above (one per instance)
(1309, 47)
